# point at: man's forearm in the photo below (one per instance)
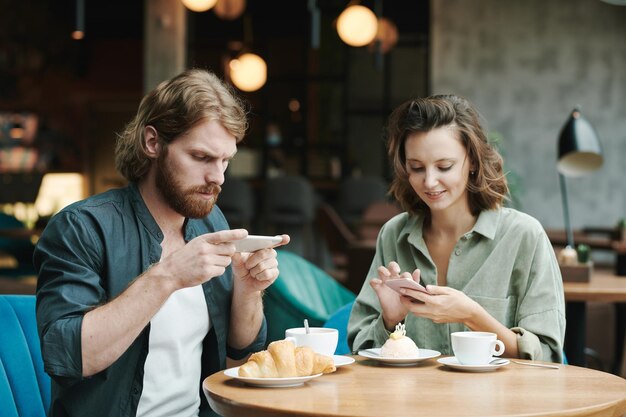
(246, 319)
(109, 330)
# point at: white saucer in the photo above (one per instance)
(453, 362)
(269, 382)
(341, 360)
(374, 353)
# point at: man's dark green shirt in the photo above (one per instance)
(88, 254)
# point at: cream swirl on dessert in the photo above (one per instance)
(399, 345)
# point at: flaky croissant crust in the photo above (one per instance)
(283, 360)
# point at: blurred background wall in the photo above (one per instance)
(526, 65)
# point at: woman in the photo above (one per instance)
(486, 267)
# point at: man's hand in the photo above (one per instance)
(255, 271)
(203, 258)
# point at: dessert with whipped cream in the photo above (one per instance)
(399, 345)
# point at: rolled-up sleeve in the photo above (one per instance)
(257, 345)
(68, 260)
(366, 327)
(540, 319)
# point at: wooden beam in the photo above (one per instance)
(165, 41)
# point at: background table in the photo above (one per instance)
(604, 286)
(366, 389)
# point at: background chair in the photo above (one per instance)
(301, 291)
(237, 202)
(24, 386)
(356, 193)
(290, 204)
(374, 216)
(336, 238)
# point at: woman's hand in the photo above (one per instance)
(394, 310)
(441, 305)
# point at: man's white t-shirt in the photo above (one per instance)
(172, 369)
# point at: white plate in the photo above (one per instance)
(269, 382)
(374, 353)
(453, 362)
(341, 360)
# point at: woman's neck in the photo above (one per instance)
(448, 224)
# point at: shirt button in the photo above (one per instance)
(457, 252)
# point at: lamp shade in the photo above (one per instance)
(58, 190)
(580, 152)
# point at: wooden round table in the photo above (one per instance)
(367, 388)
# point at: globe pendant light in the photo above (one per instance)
(357, 25)
(229, 9)
(248, 72)
(199, 5)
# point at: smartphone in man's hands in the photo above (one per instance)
(253, 243)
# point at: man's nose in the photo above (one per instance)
(215, 174)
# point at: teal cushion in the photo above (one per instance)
(301, 291)
(24, 386)
(339, 321)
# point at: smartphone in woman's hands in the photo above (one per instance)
(405, 283)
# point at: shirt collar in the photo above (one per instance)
(191, 228)
(486, 225)
(142, 212)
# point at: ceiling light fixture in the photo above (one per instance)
(229, 9)
(357, 25)
(387, 35)
(79, 32)
(199, 5)
(248, 72)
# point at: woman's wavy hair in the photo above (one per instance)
(174, 107)
(487, 185)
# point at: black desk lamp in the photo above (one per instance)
(579, 154)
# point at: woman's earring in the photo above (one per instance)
(472, 173)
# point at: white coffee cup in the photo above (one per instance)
(476, 348)
(321, 339)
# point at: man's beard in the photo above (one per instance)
(185, 202)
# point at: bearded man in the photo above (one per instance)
(140, 291)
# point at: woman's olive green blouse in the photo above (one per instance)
(505, 263)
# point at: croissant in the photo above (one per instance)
(283, 360)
